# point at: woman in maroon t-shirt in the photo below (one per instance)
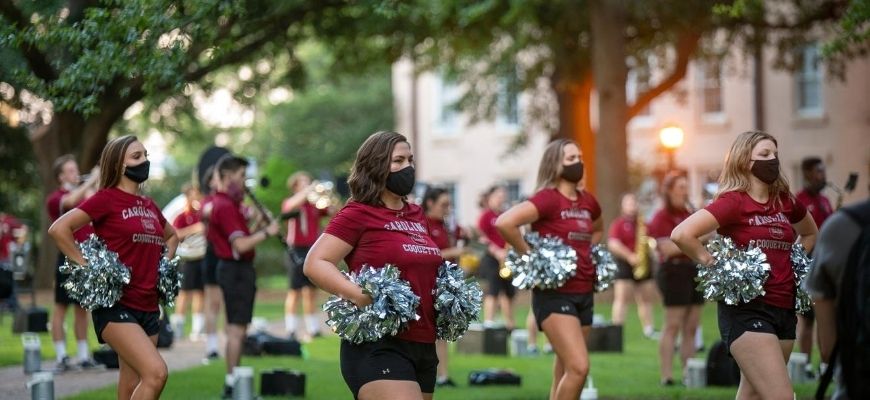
(499, 290)
(675, 278)
(436, 205)
(560, 209)
(132, 226)
(754, 204)
(376, 227)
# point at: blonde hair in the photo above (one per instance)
(295, 177)
(736, 172)
(551, 163)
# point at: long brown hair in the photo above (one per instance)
(551, 163)
(112, 160)
(368, 176)
(736, 172)
(668, 184)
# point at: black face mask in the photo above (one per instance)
(572, 173)
(138, 173)
(401, 182)
(766, 171)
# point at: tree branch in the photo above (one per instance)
(686, 45)
(35, 59)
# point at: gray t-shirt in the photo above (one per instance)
(830, 255)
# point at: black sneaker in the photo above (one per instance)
(64, 365)
(211, 356)
(228, 392)
(91, 364)
(445, 383)
(668, 382)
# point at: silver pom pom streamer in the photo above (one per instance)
(548, 265)
(168, 280)
(605, 267)
(736, 276)
(101, 283)
(457, 301)
(394, 304)
(800, 264)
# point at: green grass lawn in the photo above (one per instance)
(631, 374)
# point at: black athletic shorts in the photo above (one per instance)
(546, 302)
(61, 296)
(148, 320)
(295, 261)
(209, 266)
(495, 284)
(676, 282)
(388, 359)
(755, 316)
(238, 282)
(625, 272)
(192, 271)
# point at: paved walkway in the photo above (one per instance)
(13, 382)
(182, 355)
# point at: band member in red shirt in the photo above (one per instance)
(560, 209)
(675, 278)
(622, 242)
(754, 204)
(131, 225)
(376, 227)
(68, 195)
(302, 232)
(499, 290)
(818, 205)
(191, 231)
(212, 295)
(234, 247)
(436, 206)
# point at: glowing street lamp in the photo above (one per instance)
(671, 138)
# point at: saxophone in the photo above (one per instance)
(642, 247)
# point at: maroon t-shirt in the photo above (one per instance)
(8, 224)
(663, 223)
(186, 218)
(382, 236)
(54, 206)
(572, 221)
(227, 222)
(132, 226)
(304, 230)
(625, 230)
(486, 224)
(743, 219)
(817, 204)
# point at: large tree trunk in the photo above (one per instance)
(575, 120)
(608, 24)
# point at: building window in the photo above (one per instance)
(512, 186)
(446, 114)
(509, 100)
(711, 87)
(809, 80)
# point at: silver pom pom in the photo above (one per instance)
(736, 276)
(101, 283)
(548, 265)
(394, 304)
(457, 301)
(800, 264)
(168, 279)
(605, 267)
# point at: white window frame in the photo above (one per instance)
(446, 121)
(646, 117)
(705, 83)
(804, 75)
